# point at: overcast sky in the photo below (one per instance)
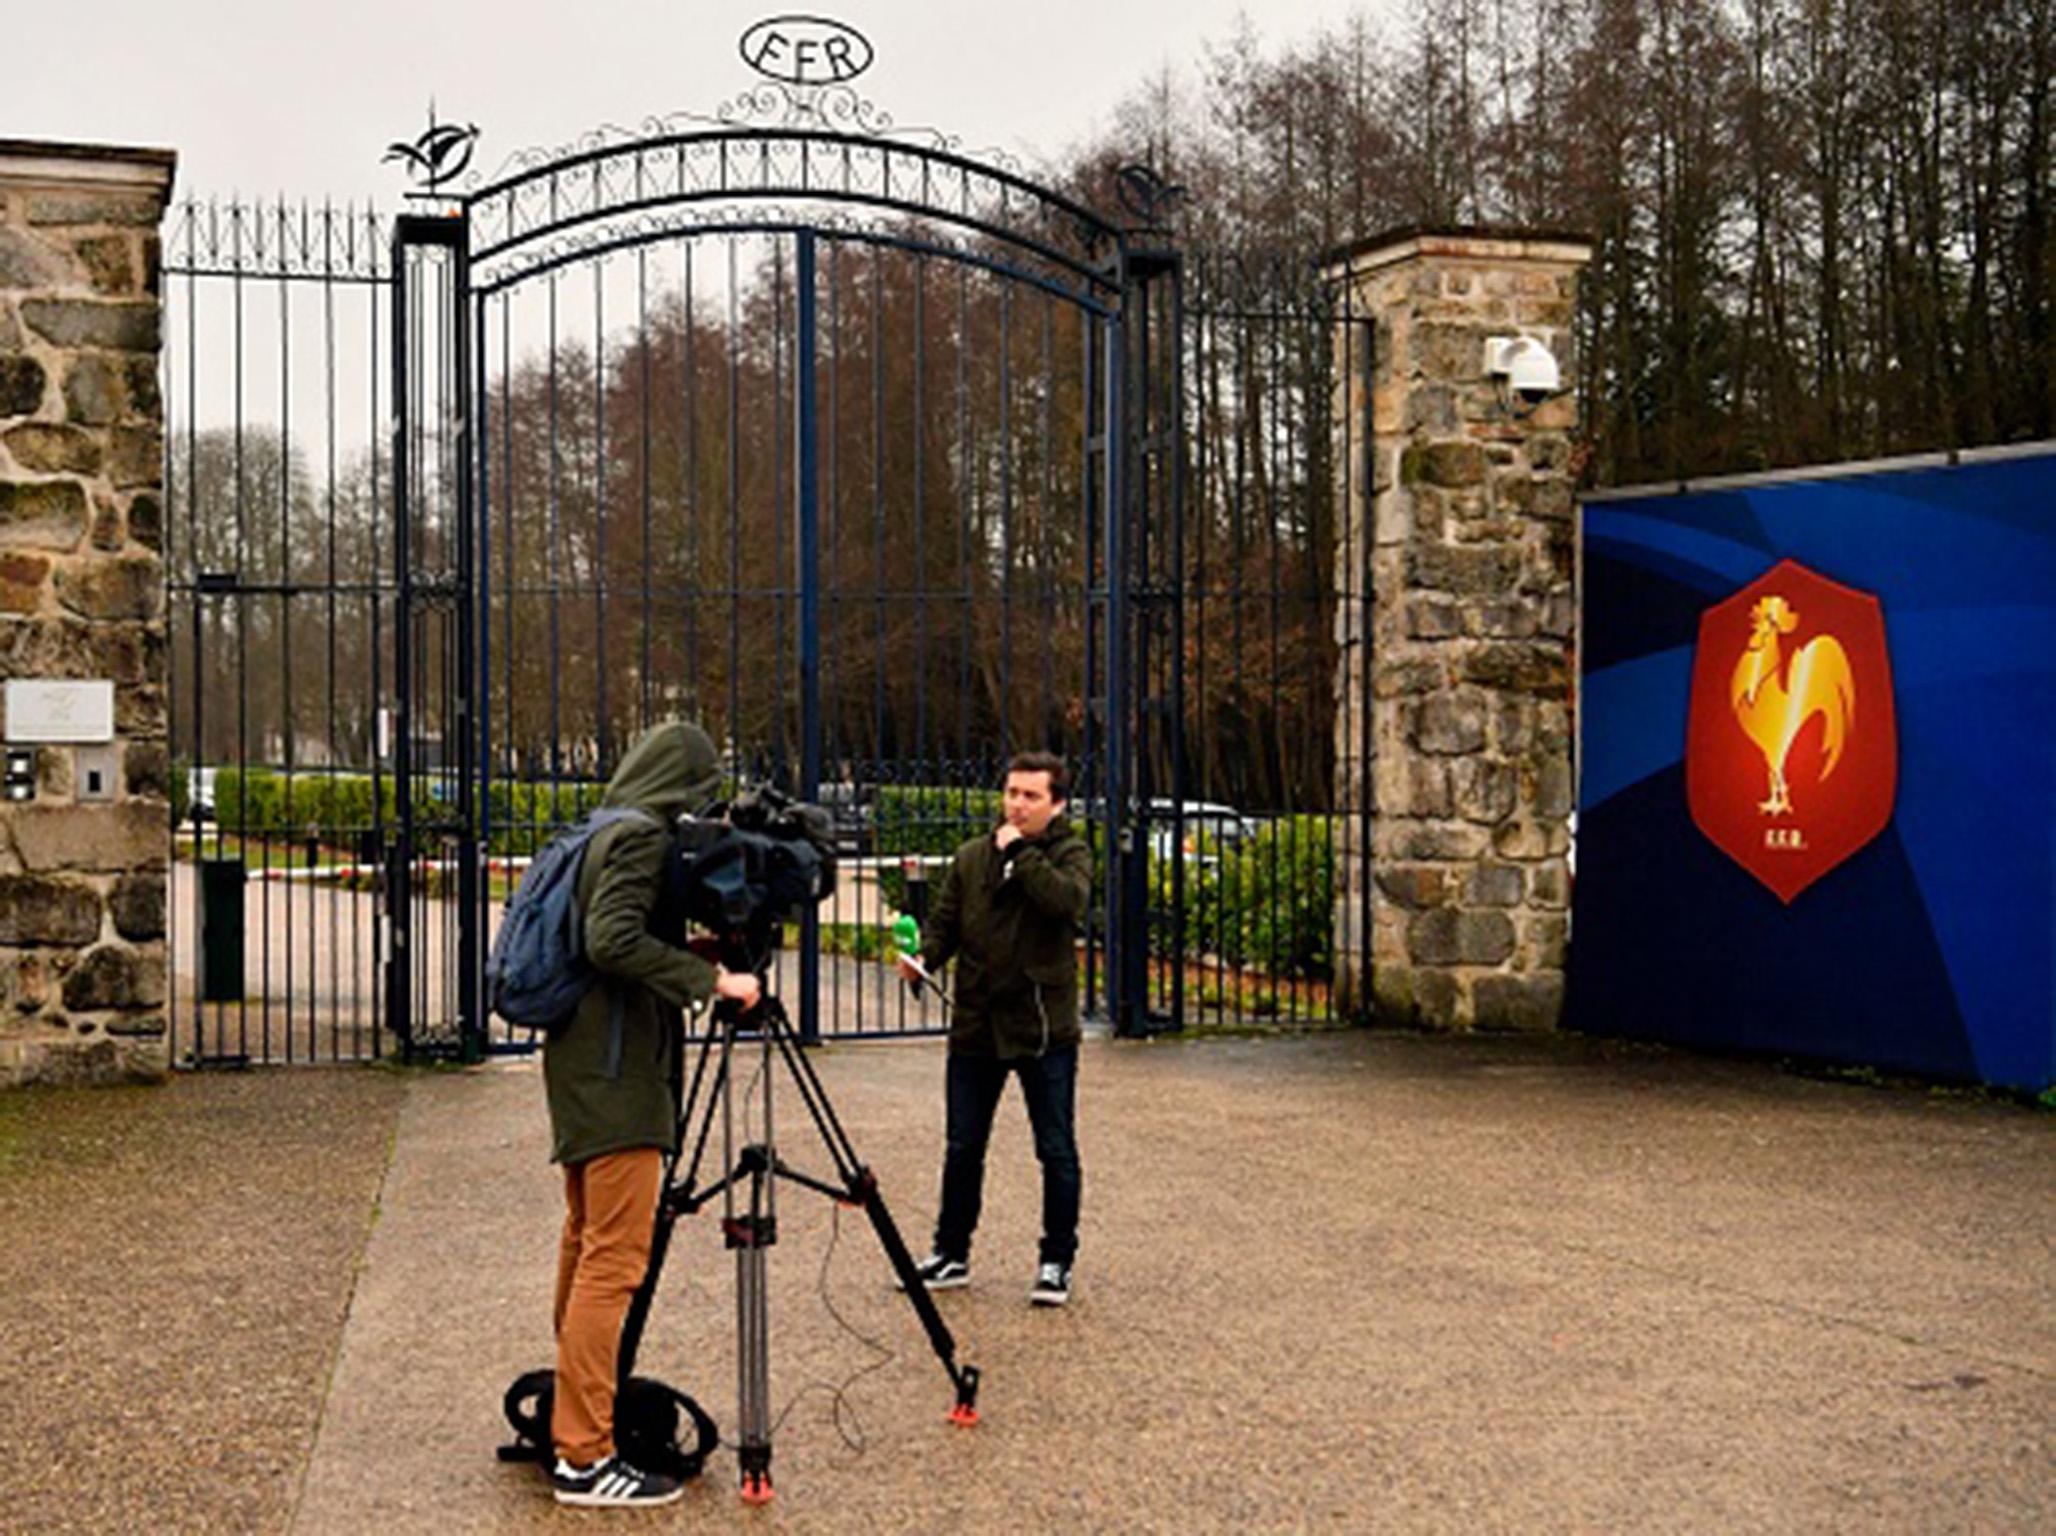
(302, 98)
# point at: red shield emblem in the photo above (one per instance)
(1792, 748)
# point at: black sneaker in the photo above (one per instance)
(940, 1274)
(1052, 1285)
(612, 1484)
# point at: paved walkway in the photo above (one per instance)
(1352, 1282)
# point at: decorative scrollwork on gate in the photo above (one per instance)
(439, 154)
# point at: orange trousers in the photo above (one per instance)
(610, 1212)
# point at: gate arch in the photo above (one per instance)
(517, 452)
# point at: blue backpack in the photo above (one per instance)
(537, 971)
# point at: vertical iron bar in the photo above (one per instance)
(808, 544)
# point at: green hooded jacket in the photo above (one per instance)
(609, 1072)
(1014, 935)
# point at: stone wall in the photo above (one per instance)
(1469, 497)
(83, 886)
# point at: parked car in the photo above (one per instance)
(850, 805)
(1197, 830)
(200, 795)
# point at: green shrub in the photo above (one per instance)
(1265, 904)
(926, 819)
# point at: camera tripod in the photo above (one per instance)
(749, 1223)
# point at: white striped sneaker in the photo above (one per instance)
(612, 1484)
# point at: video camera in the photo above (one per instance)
(746, 866)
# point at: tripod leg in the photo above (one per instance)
(753, 1369)
(963, 1377)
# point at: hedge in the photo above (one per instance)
(1265, 904)
(334, 807)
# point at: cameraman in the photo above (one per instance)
(1009, 908)
(609, 1075)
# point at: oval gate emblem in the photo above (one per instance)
(806, 50)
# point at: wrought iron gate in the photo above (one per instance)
(879, 461)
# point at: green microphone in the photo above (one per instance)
(906, 936)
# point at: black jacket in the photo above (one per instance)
(1010, 921)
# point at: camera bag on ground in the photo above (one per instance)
(537, 971)
(648, 1415)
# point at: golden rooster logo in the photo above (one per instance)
(1779, 773)
(1773, 705)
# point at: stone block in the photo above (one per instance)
(1450, 936)
(139, 376)
(1451, 465)
(146, 520)
(1517, 1002)
(42, 909)
(1468, 572)
(1549, 885)
(1538, 668)
(1553, 500)
(1438, 1000)
(1514, 618)
(141, 711)
(10, 328)
(22, 576)
(27, 262)
(1486, 791)
(116, 326)
(128, 835)
(137, 212)
(1416, 886)
(115, 976)
(137, 458)
(1494, 885)
(53, 773)
(108, 263)
(107, 531)
(93, 393)
(1432, 409)
(49, 448)
(1547, 937)
(1519, 838)
(72, 1063)
(21, 385)
(1396, 679)
(25, 981)
(46, 514)
(1513, 725)
(1426, 789)
(145, 1026)
(138, 906)
(1451, 724)
(146, 769)
(1433, 618)
(1449, 840)
(1553, 797)
(62, 646)
(131, 587)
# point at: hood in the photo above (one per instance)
(672, 770)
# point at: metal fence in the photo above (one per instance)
(460, 505)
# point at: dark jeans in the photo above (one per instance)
(1050, 1085)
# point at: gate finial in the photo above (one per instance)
(440, 154)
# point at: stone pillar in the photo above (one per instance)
(1473, 550)
(82, 592)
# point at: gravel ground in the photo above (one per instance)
(1345, 1282)
(175, 1267)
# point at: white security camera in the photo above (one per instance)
(1524, 369)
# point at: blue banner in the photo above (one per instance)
(1931, 947)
